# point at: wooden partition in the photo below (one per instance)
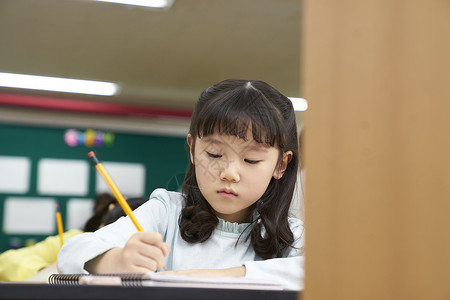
(376, 75)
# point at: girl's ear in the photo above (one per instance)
(189, 141)
(279, 171)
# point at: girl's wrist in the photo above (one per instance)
(102, 263)
(228, 272)
(236, 271)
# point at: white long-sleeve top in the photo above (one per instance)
(161, 214)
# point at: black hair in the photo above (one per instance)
(231, 107)
(102, 202)
(117, 212)
(103, 215)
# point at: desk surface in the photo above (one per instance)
(33, 291)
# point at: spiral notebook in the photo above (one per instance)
(165, 280)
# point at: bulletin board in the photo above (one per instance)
(39, 169)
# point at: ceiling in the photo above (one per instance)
(159, 58)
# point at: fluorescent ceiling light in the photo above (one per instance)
(146, 3)
(299, 104)
(56, 84)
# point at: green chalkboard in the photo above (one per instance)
(165, 160)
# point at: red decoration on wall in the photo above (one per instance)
(84, 106)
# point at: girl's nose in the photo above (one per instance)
(230, 172)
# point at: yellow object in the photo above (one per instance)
(89, 137)
(60, 227)
(20, 264)
(30, 242)
(123, 203)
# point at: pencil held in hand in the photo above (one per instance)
(123, 203)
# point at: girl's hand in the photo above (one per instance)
(230, 272)
(144, 251)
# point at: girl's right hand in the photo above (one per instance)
(144, 251)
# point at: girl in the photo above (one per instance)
(231, 218)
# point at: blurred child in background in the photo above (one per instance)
(25, 263)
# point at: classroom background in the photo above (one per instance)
(375, 74)
(149, 65)
(42, 167)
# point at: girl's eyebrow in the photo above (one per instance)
(254, 146)
(212, 140)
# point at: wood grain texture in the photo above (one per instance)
(376, 75)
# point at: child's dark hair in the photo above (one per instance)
(112, 215)
(103, 215)
(231, 107)
(102, 202)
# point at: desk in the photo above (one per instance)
(34, 291)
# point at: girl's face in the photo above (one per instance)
(233, 174)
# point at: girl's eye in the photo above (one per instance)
(214, 155)
(250, 161)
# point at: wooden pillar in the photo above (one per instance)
(376, 75)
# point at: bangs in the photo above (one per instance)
(236, 112)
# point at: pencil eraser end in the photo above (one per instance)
(91, 154)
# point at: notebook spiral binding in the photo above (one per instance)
(73, 279)
(64, 279)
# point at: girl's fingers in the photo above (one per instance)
(138, 269)
(146, 264)
(154, 254)
(154, 239)
(137, 261)
(151, 238)
(147, 250)
(166, 249)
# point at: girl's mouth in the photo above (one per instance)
(227, 193)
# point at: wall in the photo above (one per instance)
(39, 170)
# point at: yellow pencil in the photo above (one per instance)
(59, 224)
(123, 203)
